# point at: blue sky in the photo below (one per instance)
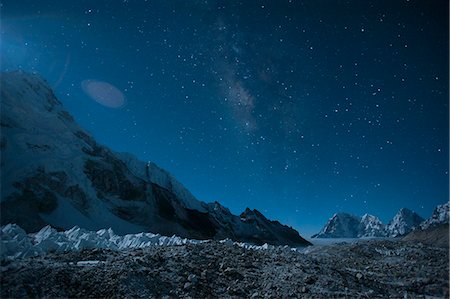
(299, 109)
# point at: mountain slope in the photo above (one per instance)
(440, 216)
(371, 226)
(341, 225)
(53, 172)
(403, 222)
(434, 230)
(437, 235)
(344, 225)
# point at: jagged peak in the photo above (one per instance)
(405, 212)
(343, 215)
(249, 213)
(254, 214)
(403, 222)
(367, 216)
(259, 214)
(218, 207)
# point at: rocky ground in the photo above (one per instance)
(367, 269)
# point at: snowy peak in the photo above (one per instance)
(371, 226)
(403, 222)
(440, 216)
(344, 225)
(341, 225)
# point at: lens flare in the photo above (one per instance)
(103, 93)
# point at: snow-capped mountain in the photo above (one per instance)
(403, 222)
(53, 172)
(371, 226)
(341, 225)
(440, 216)
(344, 225)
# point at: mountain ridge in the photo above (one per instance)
(55, 173)
(404, 222)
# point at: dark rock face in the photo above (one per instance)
(252, 226)
(52, 168)
(263, 230)
(112, 178)
(163, 200)
(19, 207)
(191, 223)
(3, 142)
(37, 195)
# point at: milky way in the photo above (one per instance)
(297, 108)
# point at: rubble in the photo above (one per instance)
(366, 269)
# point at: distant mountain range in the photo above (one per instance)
(53, 172)
(344, 225)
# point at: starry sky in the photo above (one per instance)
(299, 109)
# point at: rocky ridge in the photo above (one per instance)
(55, 173)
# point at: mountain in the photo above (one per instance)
(434, 230)
(440, 216)
(403, 222)
(371, 226)
(344, 225)
(341, 225)
(54, 173)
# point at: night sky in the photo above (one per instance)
(299, 109)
